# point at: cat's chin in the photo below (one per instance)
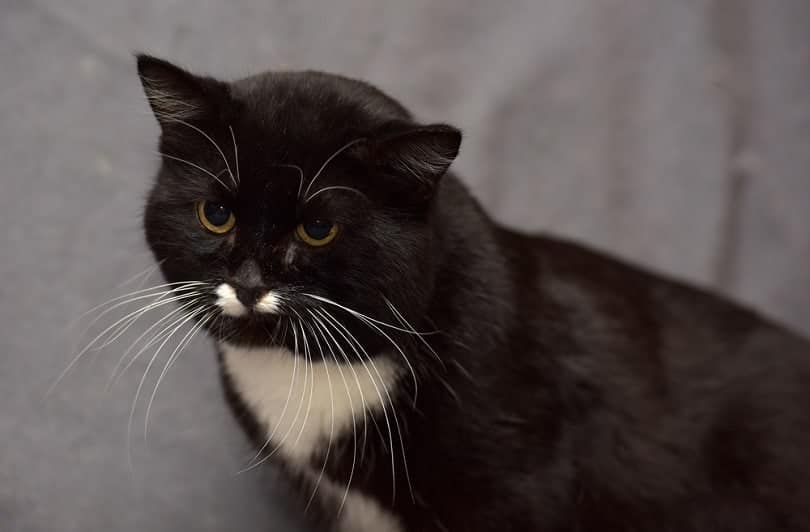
(252, 330)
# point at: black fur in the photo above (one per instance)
(572, 392)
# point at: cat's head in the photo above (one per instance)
(293, 200)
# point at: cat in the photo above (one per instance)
(411, 365)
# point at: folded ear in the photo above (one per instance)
(175, 94)
(416, 157)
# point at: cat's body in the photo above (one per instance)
(562, 390)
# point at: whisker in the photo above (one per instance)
(385, 410)
(332, 422)
(405, 322)
(114, 374)
(269, 439)
(181, 346)
(300, 175)
(336, 187)
(308, 356)
(363, 401)
(198, 167)
(464, 371)
(323, 330)
(357, 313)
(372, 323)
(295, 419)
(157, 337)
(329, 160)
(131, 318)
(93, 342)
(147, 272)
(143, 380)
(401, 352)
(155, 296)
(136, 292)
(235, 155)
(204, 134)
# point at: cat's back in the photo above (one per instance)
(581, 279)
(684, 398)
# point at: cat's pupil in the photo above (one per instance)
(318, 229)
(216, 213)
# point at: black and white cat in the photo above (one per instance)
(413, 366)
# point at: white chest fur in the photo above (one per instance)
(304, 406)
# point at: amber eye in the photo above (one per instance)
(215, 217)
(317, 232)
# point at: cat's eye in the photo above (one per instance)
(215, 217)
(317, 232)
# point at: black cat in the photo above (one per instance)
(414, 366)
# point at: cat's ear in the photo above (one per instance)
(177, 95)
(416, 157)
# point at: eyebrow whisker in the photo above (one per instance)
(200, 168)
(300, 175)
(235, 155)
(329, 160)
(335, 187)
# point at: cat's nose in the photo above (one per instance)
(249, 295)
(247, 283)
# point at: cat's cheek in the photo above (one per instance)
(290, 256)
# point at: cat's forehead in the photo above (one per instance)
(307, 106)
(289, 123)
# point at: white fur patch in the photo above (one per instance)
(361, 513)
(268, 304)
(231, 306)
(304, 406)
(228, 302)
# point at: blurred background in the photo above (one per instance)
(672, 133)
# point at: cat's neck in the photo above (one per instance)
(471, 279)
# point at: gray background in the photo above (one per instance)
(673, 133)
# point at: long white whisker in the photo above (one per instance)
(181, 346)
(143, 379)
(131, 318)
(173, 288)
(364, 316)
(198, 167)
(157, 297)
(336, 187)
(332, 420)
(337, 326)
(323, 329)
(156, 338)
(204, 134)
(327, 323)
(235, 155)
(400, 351)
(329, 160)
(269, 438)
(352, 343)
(114, 375)
(308, 356)
(300, 175)
(93, 342)
(405, 322)
(147, 273)
(292, 426)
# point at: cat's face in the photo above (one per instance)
(285, 199)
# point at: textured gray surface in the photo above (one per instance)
(676, 134)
